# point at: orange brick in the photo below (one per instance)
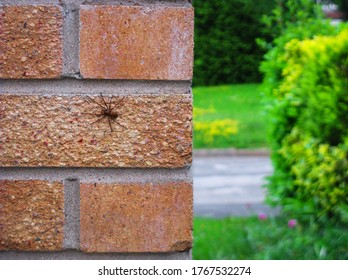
(30, 42)
(136, 217)
(131, 42)
(152, 131)
(31, 215)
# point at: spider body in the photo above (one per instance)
(108, 110)
(112, 115)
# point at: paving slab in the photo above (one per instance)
(231, 185)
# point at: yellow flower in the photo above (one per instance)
(210, 130)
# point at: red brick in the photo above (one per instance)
(65, 131)
(30, 42)
(122, 42)
(136, 217)
(31, 215)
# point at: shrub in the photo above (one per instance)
(225, 47)
(309, 109)
(290, 12)
(343, 5)
(291, 19)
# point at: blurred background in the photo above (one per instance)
(270, 121)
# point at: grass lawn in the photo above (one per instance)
(251, 238)
(229, 116)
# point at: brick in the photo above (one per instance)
(134, 42)
(136, 217)
(153, 131)
(30, 42)
(31, 215)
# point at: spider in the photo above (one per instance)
(107, 111)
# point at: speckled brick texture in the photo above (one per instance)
(147, 131)
(134, 42)
(31, 215)
(30, 41)
(96, 129)
(136, 218)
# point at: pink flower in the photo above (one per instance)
(292, 223)
(262, 216)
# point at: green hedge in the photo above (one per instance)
(309, 108)
(343, 5)
(225, 34)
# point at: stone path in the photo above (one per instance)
(230, 185)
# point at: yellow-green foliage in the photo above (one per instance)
(319, 175)
(208, 131)
(310, 128)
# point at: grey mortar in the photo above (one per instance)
(71, 214)
(71, 41)
(73, 86)
(75, 255)
(97, 175)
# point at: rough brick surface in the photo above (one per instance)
(122, 42)
(30, 41)
(31, 215)
(136, 218)
(152, 131)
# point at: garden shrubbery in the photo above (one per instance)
(225, 47)
(306, 79)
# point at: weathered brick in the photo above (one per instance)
(30, 41)
(66, 130)
(31, 215)
(134, 42)
(136, 217)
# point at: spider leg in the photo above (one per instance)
(110, 124)
(98, 120)
(121, 125)
(96, 102)
(110, 100)
(117, 103)
(106, 105)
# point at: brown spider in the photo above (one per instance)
(107, 111)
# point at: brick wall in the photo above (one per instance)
(95, 129)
